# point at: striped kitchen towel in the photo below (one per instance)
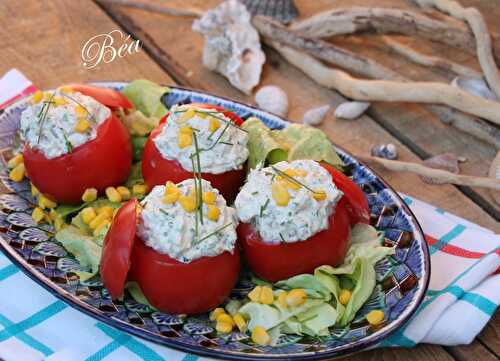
(463, 294)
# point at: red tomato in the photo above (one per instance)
(274, 262)
(157, 170)
(184, 288)
(118, 244)
(357, 205)
(106, 96)
(102, 162)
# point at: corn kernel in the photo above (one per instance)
(296, 297)
(113, 195)
(280, 194)
(37, 97)
(260, 336)
(101, 226)
(80, 111)
(188, 203)
(170, 198)
(282, 299)
(225, 318)
(185, 140)
(59, 101)
(89, 195)
(88, 214)
(139, 189)
(223, 327)
(98, 220)
(240, 322)
(53, 214)
(266, 295)
(213, 213)
(319, 195)
(344, 297)
(17, 174)
(107, 210)
(45, 202)
(65, 89)
(375, 317)
(124, 192)
(34, 190)
(290, 172)
(291, 185)
(187, 115)
(15, 161)
(58, 224)
(213, 124)
(300, 173)
(82, 125)
(209, 197)
(202, 115)
(254, 294)
(38, 214)
(216, 313)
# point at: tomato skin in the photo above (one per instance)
(117, 249)
(106, 96)
(156, 170)
(184, 288)
(102, 162)
(274, 262)
(357, 204)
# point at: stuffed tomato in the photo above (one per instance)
(73, 141)
(202, 137)
(294, 219)
(179, 246)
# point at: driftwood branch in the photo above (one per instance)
(441, 175)
(184, 11)
(390, 21)
(429, 60)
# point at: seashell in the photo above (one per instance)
(272, 99)
(232, 45)
(494, 172)
(351, 110)
(445, 161)
(474, 86)
(387, 151)
(282, 10)
(315, 116)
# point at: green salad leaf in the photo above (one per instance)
(138, 143)
(135, 175)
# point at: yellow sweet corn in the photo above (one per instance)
(344, 296)
(82, 125)
(187, 115)
(88, 214)
(319, 195)
(113, 195)
(37, 97)
(38, 214)
(223, 327)
(209, 197)
(282, 299)
(290, 172)
(98, 220)
(254, 294)
(45, 202)
(66, 89)
(375, 317)
(266, 295)
(80, 111)
(124, 192)
(240, 322)
(34, 190)
(260, 336)
(107, 210)
(291, 185)
(202, 115)
(17, 174)
(296, 297)
(188, 203)
(58, 224)
(300, 173)
(213, 213)
(216, 313)
(101, 226)
(280, 194)
(89, 195)
(59, 101)
(172, 193)
(225, 318)
(185, 140)
(15, 161)
(139, 189)
(213, 124)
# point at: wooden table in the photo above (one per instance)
(44, 40)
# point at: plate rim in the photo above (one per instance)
(358, 346)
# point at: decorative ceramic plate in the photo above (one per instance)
(401, 278)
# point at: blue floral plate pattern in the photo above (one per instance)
(402, 279)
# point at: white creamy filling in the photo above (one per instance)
(221, 151)
(302, 217)
(169, 229)
(50, 128)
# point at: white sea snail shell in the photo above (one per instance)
(351, 110)
(272, 99)
(316, 115)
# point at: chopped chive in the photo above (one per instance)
(68, 143)
(196, 195)
(199, 194)
(283, 174)
(80, 104)
(226, 143)
(281, 236)
(262, 208)
(213, 233)
(44, 117)
(162, 211)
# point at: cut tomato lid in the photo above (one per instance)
(118, 245)
(106, 96)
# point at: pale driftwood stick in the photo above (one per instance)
(390, 91)
(481, 34)
(184, 11)
(438, 174)
(390, 21)
(429, 60)
(494, 172)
